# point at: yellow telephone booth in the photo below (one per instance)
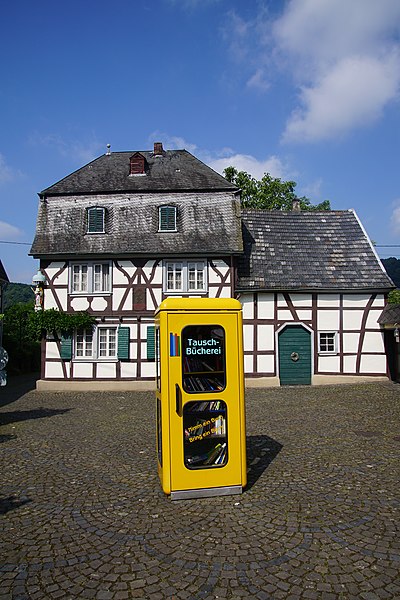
(201, 437)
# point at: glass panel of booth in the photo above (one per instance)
(203, 359)
(205, 434)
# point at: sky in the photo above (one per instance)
(307, 90)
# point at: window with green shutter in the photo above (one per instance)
(167, 218)
(96, 218)
(66, 347)
(123, 343)
(151, 347)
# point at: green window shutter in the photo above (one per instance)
(95, 220)
(66, 347)
(123, 343)
(151, 347)
(167, 218)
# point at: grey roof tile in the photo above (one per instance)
(325, 250)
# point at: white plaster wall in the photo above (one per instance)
(79, 303)
(225, 292)
(248, 337)
(373, 342)
(99, 303)
(352, 319)
(328, 319)
(51, 270)
(128, 370)
(304, 315)
(328, 364)
(128, 303)
(281, 301)
(149, 300)
(117, 297)
(133, 351)
(248, 364)
(222, 267)
(148, 369)
(62, 298)
(147, 270)
(265, 337)
(372, 319)
(83, 369)
(53, 370)
(52, 350)
(119, 277)
(106, 370)
(248, 306)
(284, 315)
(49, 300)
(266, 364)
(355, 300)
(301, 299)
(373, 364)
(379, 301)
(328, 300)
(350, 342)
(349, 364)
(266, 306)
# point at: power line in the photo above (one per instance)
(19, 243)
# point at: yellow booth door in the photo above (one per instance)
(207, 404)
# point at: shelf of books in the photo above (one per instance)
(205, 437)
(203, 361)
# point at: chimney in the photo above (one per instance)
(296, 205)
(158, 149)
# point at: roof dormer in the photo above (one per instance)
(137, 164)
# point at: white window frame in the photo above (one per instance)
(160, 208)
(335, 343)
(96, 339)
(88, 219)
(185, 268)
(90, 278)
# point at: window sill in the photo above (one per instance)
(85, 359)
(83, 294)
(186, 293)
(320, 353)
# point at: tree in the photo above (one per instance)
(269, 192)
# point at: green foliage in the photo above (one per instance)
(23, 350)
(392, 266)
(15, 293)
(53, 321)
(394, 297)
(269, 192)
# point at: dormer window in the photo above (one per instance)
(137, 164)
(96, 219)
(167, 218)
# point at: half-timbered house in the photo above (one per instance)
(131, 228)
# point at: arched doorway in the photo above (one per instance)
(294, 344)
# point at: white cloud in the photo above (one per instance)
(9, 232)
(352, 94)
(79, 151)
(343, 57)
(395, 219)
(171, 142)
(246, 162)
(258, 81)
(7, 173)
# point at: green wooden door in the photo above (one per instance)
(295, 356)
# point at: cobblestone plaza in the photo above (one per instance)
(83, 514)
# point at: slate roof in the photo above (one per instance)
(174, 170)
(390, 315)
(3, 274)
(208, 223)
(326, 250)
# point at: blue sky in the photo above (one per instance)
(307, 90)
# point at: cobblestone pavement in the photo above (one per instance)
(83, 515)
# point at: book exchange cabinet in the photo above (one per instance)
(201, 437)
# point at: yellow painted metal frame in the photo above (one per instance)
(172, 316)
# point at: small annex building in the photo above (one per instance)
(127, 230)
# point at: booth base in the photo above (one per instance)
(229, 490)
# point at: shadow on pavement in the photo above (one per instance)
(7, 504)
(261, 451)
(17, 386)
(24, 415)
